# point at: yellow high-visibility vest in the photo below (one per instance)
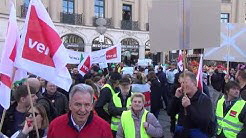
(230, 124)
(110, 87)
(128, 125)
(117, 102)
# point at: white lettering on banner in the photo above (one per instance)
(39, 46)
(112, 56)
(85, 67)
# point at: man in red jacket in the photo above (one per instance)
(80, 121)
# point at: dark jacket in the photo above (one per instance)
(206, 90)
(162, 78)
(104, 98)
(78, 78)
(59, 101)
(48, 106)
(8, 125)
(117, 111)
(164, 91)
(198, 114)
(218, 81)
(95, 127)
(243, 93)
(155, 95)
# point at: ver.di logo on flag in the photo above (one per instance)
(111, 54)
(37, 41)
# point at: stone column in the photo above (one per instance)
(135, 10)
(55, 9)
(142, 13)
(86, 13)
(163, 57)
(141, 52)
(80, 6)
(233, 14)
(240, 11)
(88, 47)
(116, 14)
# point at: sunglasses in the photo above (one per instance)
(31, 115)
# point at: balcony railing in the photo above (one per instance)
(24, 9)
(147, 26)
(108, 25)
(129, 25)
(72, 18)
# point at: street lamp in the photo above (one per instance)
(101, 29)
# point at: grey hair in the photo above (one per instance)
(82, 88)
(189, 74)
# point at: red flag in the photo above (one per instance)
(41, 51)
(85, 65)
(199, 74)
(7, 59)
(111, 54)
(180, 61)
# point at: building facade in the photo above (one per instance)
(127, 22)
(75, 20)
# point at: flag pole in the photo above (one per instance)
(185, 35)
(32, 108)
(2, 119)
(228, 54)
(228, 48)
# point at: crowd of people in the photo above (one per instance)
(107, 103)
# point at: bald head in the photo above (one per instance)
(35, 83)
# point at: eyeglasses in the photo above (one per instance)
(28, 114)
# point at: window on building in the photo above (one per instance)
(99, 8)
(130, 51)
(224, 17)
(73, 42)
(96, 45)
(68, 6)
(126, 12)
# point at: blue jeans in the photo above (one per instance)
(192, 133)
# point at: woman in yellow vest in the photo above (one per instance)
(231, 113)
(138, 122)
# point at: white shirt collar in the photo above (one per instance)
(78, 127)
